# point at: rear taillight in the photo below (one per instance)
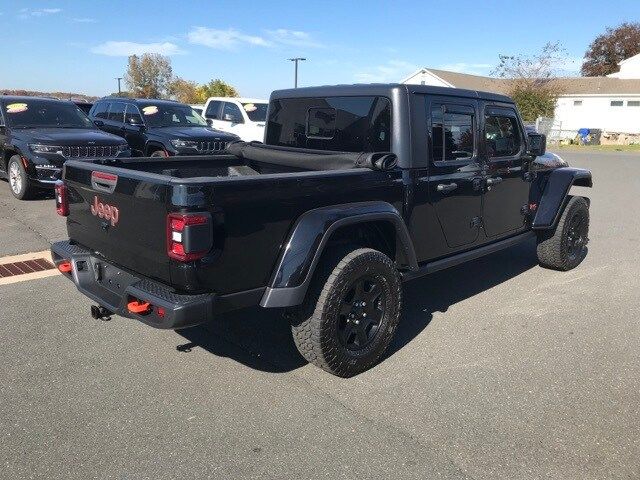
(189, 236)
(62, 199)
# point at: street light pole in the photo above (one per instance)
(296, 60)
(118, 79)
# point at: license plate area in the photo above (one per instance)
(109, 277)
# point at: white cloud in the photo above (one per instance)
(40, 12)
(294, 38)
(392, 71)
(124, 49)
(224, 39)
(84, 20)
(469, 68)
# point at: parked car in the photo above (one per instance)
(37, 135)
(158, 128)
(357, 189)
(244, 117)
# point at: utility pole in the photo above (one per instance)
(296, 60)
(118, 79)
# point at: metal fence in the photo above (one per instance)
(552, 128)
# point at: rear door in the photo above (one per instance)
(115, 119)
(455, 186)
(507, 187)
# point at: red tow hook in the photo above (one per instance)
(139, 307)
(65, 267)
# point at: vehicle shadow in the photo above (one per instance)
(261, 339)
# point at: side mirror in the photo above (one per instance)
(209, 121)
(99, 123)
(537, 144)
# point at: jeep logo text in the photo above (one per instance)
(103, 210)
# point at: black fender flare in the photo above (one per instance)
(308, 238)
(556, 193)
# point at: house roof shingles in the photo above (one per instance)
(568, 85)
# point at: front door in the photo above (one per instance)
(506, 196)
(455, 183)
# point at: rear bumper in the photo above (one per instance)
(114, 289)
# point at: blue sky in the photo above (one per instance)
(80, 46)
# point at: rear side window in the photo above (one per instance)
(213, 110)
(343, 124)
(502, 135)
(101, 110)
(452, 132)
(116, 112)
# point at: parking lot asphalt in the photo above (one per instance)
(501, 370)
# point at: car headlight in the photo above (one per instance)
(38, 148)
(184, 143)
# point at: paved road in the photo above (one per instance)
(501, 370)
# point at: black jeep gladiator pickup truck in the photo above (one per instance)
(356, 189)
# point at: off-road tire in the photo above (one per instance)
(26, 190)
(316, 323)
(554, 246)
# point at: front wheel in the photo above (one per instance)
(565, 247)
(351, 312)
(18, 181)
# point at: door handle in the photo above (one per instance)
(447, 187)
(494, 181)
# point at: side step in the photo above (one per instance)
(437, 265)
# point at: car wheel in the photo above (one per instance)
(18, 181)
(351, 311)
(159, 153)
(565, 247)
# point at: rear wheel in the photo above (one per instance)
(351, 312)
(18, 181)
(565, 247)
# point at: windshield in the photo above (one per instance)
(257, 112)
(42, 113)
(162, 115)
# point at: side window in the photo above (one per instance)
(132, 116)
(231, 113)
(101, 110)
(502, 134)
(452, 132)
(213, 110)
(116, 112)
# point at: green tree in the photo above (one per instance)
(610, 48)
(149, 75)
(184, 91)
(532, 80)
(217, 88)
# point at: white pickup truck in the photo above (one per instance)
(244, 117)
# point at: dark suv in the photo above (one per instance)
(37, 135)
(159, 128)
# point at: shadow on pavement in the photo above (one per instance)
(261, 338)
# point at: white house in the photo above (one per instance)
(610, 103)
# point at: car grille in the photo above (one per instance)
(211, 147)
(90, 151)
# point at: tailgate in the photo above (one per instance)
(121, 214)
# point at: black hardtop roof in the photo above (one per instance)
(27, 98)
(384, 89)
(142, 101)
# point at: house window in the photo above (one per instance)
(617, 103)
(633, 103)
(577, 103)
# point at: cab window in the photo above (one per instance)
(101, 110)
(133, 115)
(502, 134)
(213, 110)
(231, 113)
(452, 137)
(116, 112)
